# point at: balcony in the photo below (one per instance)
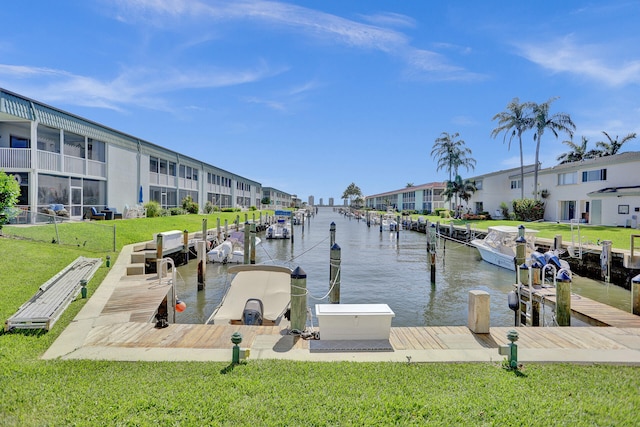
(15, 158)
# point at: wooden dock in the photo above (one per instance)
(587, 310)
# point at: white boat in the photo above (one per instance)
(231, 250)
(280, 230)
(499, 245)
(257, 295)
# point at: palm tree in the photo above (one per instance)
(613, 146)
(558, 122)
(577, 153)
(515, 120)
(452, 153)
(459, 188)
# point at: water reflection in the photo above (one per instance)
(381, 268)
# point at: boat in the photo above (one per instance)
(231, 250)
(499, 245)
(258, 294)
(279, 230)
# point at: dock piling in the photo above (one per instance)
(334, 274)
(202, 263)
(298, 299)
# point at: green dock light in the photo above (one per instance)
(108, 261)
(83, 288)
(236, 339)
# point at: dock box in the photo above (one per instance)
(354, 321)
(171, 240)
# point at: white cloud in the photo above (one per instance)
(133, 86)
(588, 60)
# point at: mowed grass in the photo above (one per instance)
(273, 393)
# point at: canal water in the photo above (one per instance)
(377, 267)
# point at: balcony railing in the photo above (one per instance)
(15, 158)
(73, 165)
(95, 168)
(48, 160)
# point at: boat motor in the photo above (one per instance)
(252, 313)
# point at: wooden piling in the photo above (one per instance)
(431, 251)
(247, 243)
(298, 299)
(397, 227)
(332, 234)
(204, 229)
(202, 263)
(159, 244)
(185, 246)
(226, 228)
(252, 256)
(563, 303)
(334, 274)
(218, 229)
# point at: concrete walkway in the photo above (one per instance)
(112, 336)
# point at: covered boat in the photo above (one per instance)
(257, 295)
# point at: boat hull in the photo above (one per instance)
(493, 257)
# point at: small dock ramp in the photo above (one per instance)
(53, 297)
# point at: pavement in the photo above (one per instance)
(598, 345)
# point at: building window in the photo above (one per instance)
(19, 142)
(163, 166)
(153, 165)
(96, 150)
(595, 175)
(567, 178)
(515, 183)
(172, 169)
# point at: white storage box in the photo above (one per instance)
(170, 239)
(354, 321)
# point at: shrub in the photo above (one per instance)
(504, 210)
(189, 205)
(153, 209)
(528, 209)
(209, 207)
(177, 211)
(253, 208)
(228, 210)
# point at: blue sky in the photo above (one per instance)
(309, 96)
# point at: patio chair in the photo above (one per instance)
(94, 214)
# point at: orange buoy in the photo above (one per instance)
(180, 306)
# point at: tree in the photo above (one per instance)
(558, 122)
(577, 153)
(265, 201)
(352, 192)
(459, 188)
(451, 153)
(409, 184)
(513, 122)
(9, 193)
(613, 146)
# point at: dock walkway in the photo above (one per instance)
(109, 330)
(587, 310)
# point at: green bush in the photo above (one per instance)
(177, 211)
(528, 209)
(504, 210)
(228, 210)
(189, 205)
(209, 207)
(253, 208)
(153, 209)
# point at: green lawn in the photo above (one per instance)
(265, 393)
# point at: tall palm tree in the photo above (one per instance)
(513, 122)
(459, 189)
(451, 153)
(577, 153)
(613, 146)
(557, 122)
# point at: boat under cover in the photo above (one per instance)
(270, 284)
